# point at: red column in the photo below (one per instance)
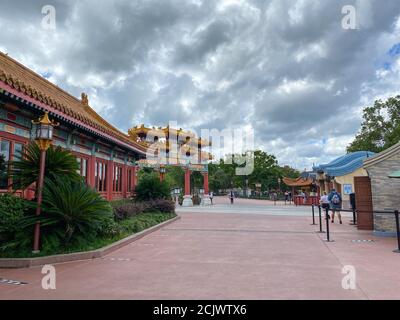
(91, 173)
(187, 182)
(162, 176)
(206, 188)
(124, 180)
(110, 179)
(134, 171)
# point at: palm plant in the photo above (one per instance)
(71, 210)
(59, 163)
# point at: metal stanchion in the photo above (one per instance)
(313, 216)
(354, 223)
(328, 238)
(320, 220)
(398, 230)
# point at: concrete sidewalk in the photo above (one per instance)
(227, 256)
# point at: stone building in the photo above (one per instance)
(385, 191)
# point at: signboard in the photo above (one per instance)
(347, 189)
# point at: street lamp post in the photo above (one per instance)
(43, 137)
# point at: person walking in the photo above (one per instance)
(335, 201)
(232, 196)
(286, 197)
(324, 201)
(212, 197)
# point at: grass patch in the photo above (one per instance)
(127, 228)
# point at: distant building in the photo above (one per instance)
(304, 185)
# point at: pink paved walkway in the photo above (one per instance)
(227, 256)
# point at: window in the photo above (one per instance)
(83, 167)
(10, 151)
(18, 150)
(101, 176)
(5, 148)
(117, 182)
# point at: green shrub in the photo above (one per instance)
(160, 205)
(12, 211)
(71, 212)
(110, 228)
(124, 210)
(151, 188)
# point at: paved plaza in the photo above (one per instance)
(251, 250)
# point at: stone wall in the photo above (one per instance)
(385, 194)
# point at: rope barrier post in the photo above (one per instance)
(398, 230)
(354, 223)
(320, 220)
(313, 216)
(328, 237)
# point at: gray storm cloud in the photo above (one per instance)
(285, 68)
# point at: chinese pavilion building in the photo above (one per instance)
(172, 147)
(109, 159)
(107, 156)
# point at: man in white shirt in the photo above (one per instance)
(324, 201)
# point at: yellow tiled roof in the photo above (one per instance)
(30, 83)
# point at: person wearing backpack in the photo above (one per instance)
(335, 201)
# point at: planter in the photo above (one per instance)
(14, 263)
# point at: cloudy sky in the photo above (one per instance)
(285, 68)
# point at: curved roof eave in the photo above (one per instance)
(345, 164)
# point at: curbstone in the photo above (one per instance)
(20, 263)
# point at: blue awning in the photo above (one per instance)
(345, 164)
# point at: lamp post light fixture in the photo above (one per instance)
(44, 138)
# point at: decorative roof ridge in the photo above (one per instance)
(382, 155)
(6, 56)
(98, 122)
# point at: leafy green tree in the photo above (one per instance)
(218, 180)
(266, 171)
(151, 188)
(175, 177)
(59, 164)
(380, 128)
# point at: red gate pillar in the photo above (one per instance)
(187, 200)
(206, 189)
(206, 201)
